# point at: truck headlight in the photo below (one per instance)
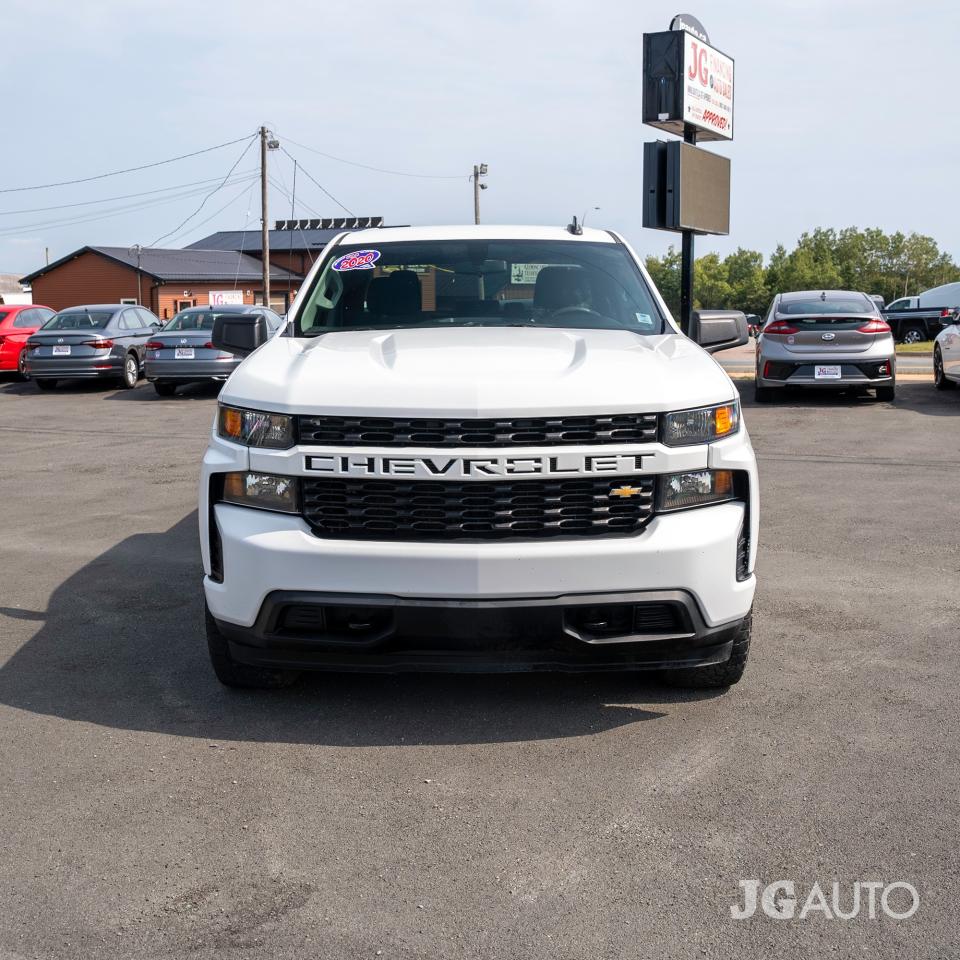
(264, 491)
(698, 488)
(701, 425)
(255, 428)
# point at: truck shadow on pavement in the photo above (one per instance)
(122, 646)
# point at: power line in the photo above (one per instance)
(367, 166)
(12, 230)
(316, 183)
(236, 164)
(219, 210)
(116, 173)
(123, 196)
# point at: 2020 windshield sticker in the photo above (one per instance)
(358, 260)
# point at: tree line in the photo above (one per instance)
(892, 265)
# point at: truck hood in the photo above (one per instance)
(478, 372)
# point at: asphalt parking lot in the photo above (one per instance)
(147, 812)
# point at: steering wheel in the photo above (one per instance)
(593, 313)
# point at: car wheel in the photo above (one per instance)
(914, 335)
(131, 372)
(233, 674)
(717, 674)
(47, 383)
(940, 380)
(22, 366)
(886, 393)
(164, 388)
(762, 394)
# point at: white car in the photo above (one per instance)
(479, 448)
(946, 357)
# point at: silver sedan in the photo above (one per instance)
(182, 351)
(825, 339)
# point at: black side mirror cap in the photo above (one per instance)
(719, 329)
(240, 333)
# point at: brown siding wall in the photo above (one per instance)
(164, 299)
(88, 278)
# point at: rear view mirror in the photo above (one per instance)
(719, 329)
(240, 333)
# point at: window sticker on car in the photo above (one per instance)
(358, 260)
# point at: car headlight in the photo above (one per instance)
(255, 428)
(264, 491)
(701, 425)
(698, 488)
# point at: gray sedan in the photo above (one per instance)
(100, 341)
(182, 351)
(824, 339)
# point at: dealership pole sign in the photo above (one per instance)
(687, 91)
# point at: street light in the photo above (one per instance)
(479, 170)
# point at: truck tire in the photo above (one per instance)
(914, 335)
(717, 674)
(233, 674)
(940, 381)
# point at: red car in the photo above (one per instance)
(17, 322)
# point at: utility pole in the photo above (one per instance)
(137, 250)
(479, 170)
(264, 223)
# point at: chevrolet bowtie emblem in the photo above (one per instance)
(625, 491)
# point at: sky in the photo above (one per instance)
(845, 115)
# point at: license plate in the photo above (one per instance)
(829, 372)
(183, 353)
(61, 351)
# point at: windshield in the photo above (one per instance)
(79, 320)
(195, 320)
(830, 305)
(439, 283)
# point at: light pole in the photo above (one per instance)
(137, 250)
(479, 170)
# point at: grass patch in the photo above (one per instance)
(925, 346)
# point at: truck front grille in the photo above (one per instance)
(354, 509)
(618, 428)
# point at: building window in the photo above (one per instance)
(129, 301)
(279, 301)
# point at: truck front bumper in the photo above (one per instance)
(350, 632)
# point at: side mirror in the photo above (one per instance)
(240, 333)
(719, 329)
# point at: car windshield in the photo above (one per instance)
(195, 320)
(79, 320)
(506, 283)
(831, 305)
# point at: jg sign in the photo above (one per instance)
(707, 88)
(687, 82)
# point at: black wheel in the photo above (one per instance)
(886, 393)
(47, 383)
(165, 388)
(22, 366)
(940, 381)
(233, 674)
(718, 674)
(762, 394)
(914, 335)
(131, 372)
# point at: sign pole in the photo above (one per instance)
(686, 255)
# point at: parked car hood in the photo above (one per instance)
(478, 372)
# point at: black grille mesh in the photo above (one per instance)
(618, 428)
(350, 508)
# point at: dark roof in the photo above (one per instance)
(280, 240)
(179, 265)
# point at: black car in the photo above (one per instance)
(99, 341)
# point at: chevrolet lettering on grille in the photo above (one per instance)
(476, 468)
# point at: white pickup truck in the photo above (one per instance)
(484, 449)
